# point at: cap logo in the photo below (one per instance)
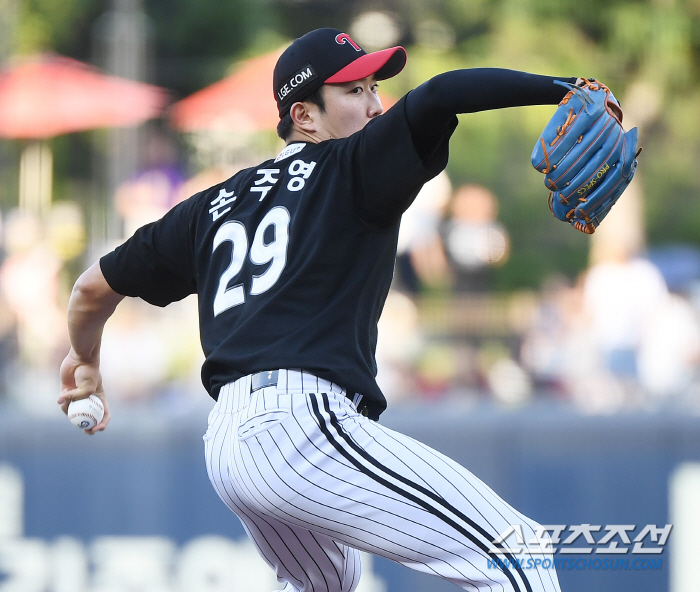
(303, 76)
(344, 38)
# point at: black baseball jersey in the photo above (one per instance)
(291, 260)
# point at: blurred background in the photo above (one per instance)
(563, 369)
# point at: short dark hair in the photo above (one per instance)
(284, 127)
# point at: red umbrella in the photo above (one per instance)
(243, 101)
(49, 95)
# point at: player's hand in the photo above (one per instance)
(79, 380)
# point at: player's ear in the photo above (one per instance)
(303, 116)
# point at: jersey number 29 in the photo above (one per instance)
(260, 254)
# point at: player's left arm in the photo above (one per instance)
(431, 108)
(414, 134)
(92, 302)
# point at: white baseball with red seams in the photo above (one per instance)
(86, 413)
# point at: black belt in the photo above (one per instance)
(269, 378)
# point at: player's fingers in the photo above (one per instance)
(84, 385)
(67, 385)
(64, 400)
(81, 381)
(100, 427)
(75, 394)
(67, 372)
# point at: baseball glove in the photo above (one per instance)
(587, 158)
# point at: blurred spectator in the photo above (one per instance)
(617, 339)
(134, 359)
(679, 264)
(543, 350)
(29, 279)
(8, 328)
(506, 380)
(420, 257)
(436, 369)
(155, 189)
(9, 344)
(151, 353)
(562, 352)
(669, 353)
(620, 296)
(473, 237)
(30, 285)
(669, 350)
(399, 345)
(65, 230)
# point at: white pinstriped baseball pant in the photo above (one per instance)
(313, 482)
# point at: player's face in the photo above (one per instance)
(349, 107)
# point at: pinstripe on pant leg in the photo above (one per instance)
(325, 468)
(311, 479)
(306, 561)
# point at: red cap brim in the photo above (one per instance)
(383, 64)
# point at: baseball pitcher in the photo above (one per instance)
(292, 262)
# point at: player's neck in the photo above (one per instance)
(298, 135)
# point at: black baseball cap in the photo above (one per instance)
(328, 55)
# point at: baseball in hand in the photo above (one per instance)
(86, 413)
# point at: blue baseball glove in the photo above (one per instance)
(587, 158)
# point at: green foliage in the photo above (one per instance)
(293, 18)
(197, 28)
(196, 41)
(53, 25)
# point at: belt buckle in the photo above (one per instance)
(263, 379)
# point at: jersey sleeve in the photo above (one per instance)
(433, 105)
(387, 170)
(157, 262)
